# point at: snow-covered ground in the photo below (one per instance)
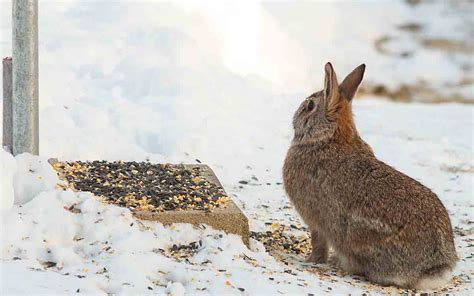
(176, 82)
(103, 249)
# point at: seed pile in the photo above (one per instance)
(143, 185)
(291, 245)
(181, 251)
(280, 239)
(184, 251)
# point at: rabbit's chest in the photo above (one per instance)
(304, 182)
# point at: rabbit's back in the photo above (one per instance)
(393, 209)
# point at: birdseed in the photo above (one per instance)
(280, 239)
(144, 186)
(180, 252)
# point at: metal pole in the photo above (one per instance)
(25, 76)
(7, 104)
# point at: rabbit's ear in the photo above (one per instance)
(331, 87)
(351, 82)
(331, 90)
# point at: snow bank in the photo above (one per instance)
(33, 176)
(101, 248)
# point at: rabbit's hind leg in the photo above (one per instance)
(347, 264)
(427, 281)
(385, 280)
(434, 280)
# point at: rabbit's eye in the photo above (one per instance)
(310, 105)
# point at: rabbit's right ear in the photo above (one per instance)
(331, 90)
(350, 84)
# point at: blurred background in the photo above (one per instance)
(181, 80)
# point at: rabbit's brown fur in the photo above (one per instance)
(380, 222)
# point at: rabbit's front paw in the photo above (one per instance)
(317, 257)
(319, 251)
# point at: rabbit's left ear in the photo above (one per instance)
(332, 97)
(350, 84)
(331, 87)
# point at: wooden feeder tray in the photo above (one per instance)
(166, 193)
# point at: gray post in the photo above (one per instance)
(7, 104)
(25, 76)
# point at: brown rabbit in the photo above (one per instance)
(379, 222)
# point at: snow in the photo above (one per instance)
(7, 172)
(176, 82)
(33, 175)
(105, 236)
